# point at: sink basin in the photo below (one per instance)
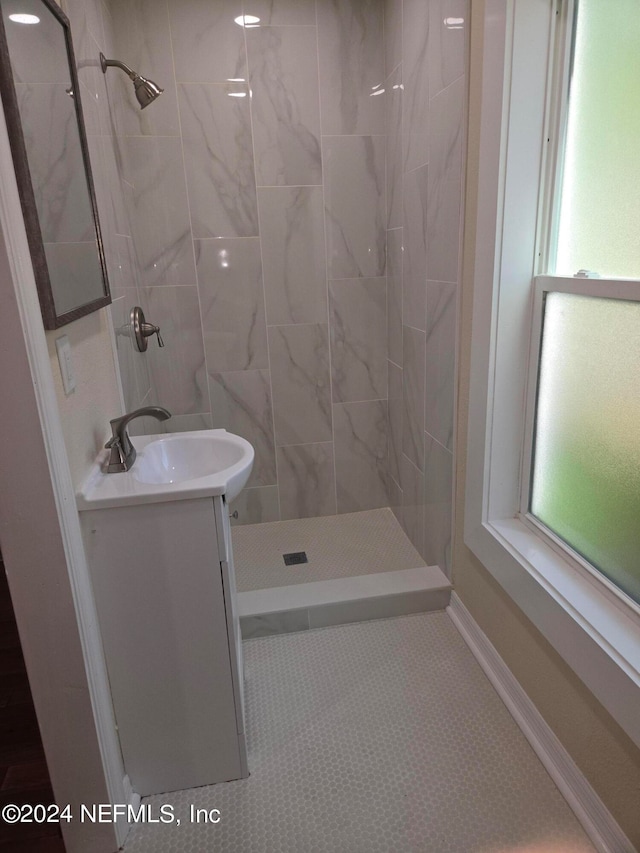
(175, 466)
(186, 457)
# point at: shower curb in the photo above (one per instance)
(303, 607)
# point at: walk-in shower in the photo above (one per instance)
(292, 215)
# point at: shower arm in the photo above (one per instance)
(106, 63)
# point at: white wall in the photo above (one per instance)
(86, 412)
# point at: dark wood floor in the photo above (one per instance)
(24, 777)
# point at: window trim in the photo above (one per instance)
(593, 631)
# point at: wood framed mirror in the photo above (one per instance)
(40, 94)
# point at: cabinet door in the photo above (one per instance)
(158, 588)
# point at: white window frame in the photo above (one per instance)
(592, 627)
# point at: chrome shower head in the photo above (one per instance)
(146, 90)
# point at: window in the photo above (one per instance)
(583, 482)
(599, 209)
(540, 335)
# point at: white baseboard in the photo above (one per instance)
(131, 799)
(595, 818)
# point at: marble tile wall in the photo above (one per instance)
(289, 212)
(425, 84)
(92, 32)
(256, 192)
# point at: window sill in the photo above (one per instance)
(592, 630)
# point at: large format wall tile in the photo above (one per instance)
(123, 276)
(216, 132)
(300, 383)
(358, 324)
(178, 373)
(438, 476)
(285, 112)
(393, 129)
(360, 444)
(443, 231)
(413, 510)
(395, 422)
(143, 37)
(350, 36)
(158, 210)
(256, 505)
(208, 46)
(413, 374)
(447, 25)
(176, 423)
(185, 423)
(395, 500)
(392, 35)
(241, 403)
(445, 144)
(441, 352)
(232, 304)
(307, 481)
(445, 182)
(110, 173)
(355, 205)
(394, 294)
(284, 12)
(414, 261)
(293, 253)
(415, 69)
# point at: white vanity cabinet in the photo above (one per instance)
(165, 593)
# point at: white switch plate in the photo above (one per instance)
(66, 364)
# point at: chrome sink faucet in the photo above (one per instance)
(123, 453)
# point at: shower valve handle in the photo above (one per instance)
(143, 330)
(149, 329)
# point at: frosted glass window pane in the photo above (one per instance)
(600, 202)
(586, 472)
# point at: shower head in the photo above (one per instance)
(146, 90)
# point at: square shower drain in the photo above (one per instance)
(295, 558)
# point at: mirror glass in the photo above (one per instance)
(69, 260)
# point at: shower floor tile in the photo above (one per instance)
(378, 737)
(337, 546)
